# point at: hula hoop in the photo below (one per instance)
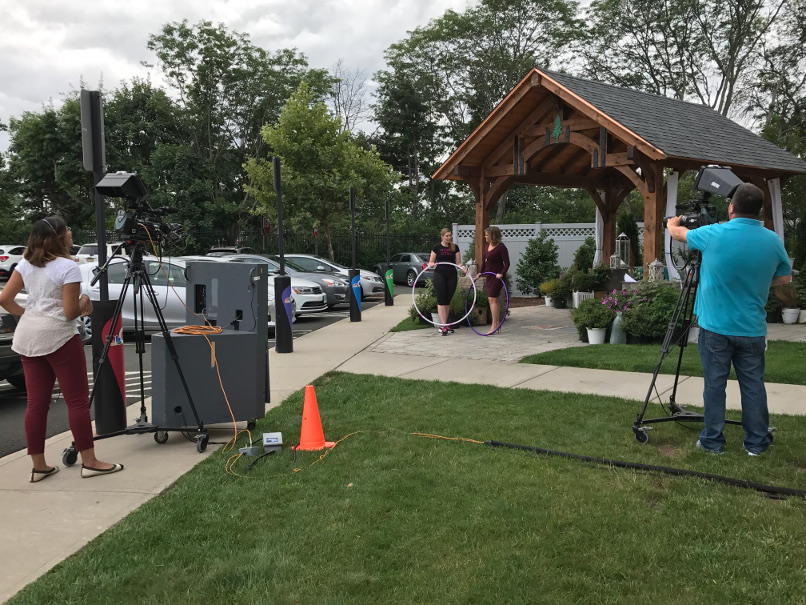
(503, 283)
(436, 323)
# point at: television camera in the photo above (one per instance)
(711, 180)
(138, 222)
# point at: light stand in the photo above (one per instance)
(137, 276)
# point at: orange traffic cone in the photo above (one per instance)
(311, 436)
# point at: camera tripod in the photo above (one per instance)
(676, 334)
(137, 276)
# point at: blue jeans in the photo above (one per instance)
(747, 354)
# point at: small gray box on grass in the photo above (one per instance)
(272, 442)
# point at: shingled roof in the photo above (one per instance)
(682, 129)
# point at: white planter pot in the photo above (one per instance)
(549, 301)
(790, 316)
(802, 317)
(596, 336)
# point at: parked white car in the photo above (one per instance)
(10, 363)
(372, 284)
(10, 255)
(88, 253)
(169, 292)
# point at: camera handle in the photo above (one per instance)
(98, 271)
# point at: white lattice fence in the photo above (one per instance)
(568, 237)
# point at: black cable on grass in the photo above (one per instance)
(769, 490)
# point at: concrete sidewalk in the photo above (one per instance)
(44, 523)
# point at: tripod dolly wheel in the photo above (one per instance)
(251, 425)
(161, 436)
(641, 436)
(69, 456)
(201, 442)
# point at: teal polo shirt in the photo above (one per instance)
(739, 260)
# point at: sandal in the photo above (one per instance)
(37, 476)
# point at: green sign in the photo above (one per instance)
(389, 283)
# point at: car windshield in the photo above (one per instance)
(87, 249)
(290, 264)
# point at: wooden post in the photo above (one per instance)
(654, 208)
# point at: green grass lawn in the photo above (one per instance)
(785, 361)
(389, 517)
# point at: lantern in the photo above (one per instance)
(615, 261)
(623, 250)
(655, 270)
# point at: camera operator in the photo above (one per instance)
(741, 260)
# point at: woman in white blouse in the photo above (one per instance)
(47, 340)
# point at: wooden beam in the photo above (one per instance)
(550, 179)
(506, 146)
(501, 170)
(575, 124)
(618, 159)
(499, 186)
(634, 179)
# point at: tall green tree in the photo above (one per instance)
(227, 90)
(706, 51)
(320, 163)
(445, 78)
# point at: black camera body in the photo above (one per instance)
(695, 214)
(141, 223)
(710, 180)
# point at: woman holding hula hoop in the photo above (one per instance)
(445, 276)
(495, 259)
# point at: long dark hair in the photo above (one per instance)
(47, 241)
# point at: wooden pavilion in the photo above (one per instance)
(561, 131)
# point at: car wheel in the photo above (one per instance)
(85, 330)
(17, 381)
(410, 277)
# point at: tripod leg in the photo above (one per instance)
(166, 333)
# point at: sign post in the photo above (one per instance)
(354, 274)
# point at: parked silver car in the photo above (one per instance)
(169, 289)
(10, 363)
(372, 284)
(406, 266)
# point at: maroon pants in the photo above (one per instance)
(69, 366)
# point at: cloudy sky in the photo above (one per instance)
(49, 47)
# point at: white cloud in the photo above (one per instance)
(48, 47)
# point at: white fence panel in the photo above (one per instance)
(568, 237)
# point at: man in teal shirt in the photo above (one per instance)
(741, 260)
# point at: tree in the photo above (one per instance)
(319, 165)
(702, 50)
(228, 89)
(348, 95)
(45, 163)
(537, 264)
(445, 78)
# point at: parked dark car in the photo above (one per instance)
(406, 266)
(372, 284)
(10, 362)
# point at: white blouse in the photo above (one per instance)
(44, 328)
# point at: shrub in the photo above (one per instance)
(547, 287)
(650, 309)
(625, 223)
(583, 257)
(592, 313)
(774, 304)
(426, 301)
(537, 264)
(800, 288)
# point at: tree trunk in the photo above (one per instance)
(501, 209)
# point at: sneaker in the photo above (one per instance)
(749, 453)
(705, 449)
(450, 330)
(444, 331)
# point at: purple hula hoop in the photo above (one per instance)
(503, 283)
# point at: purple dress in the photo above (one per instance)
(494, 261)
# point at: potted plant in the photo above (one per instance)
(426, 303)
(594, 317)
(547, 290)
(789, 297)
(562, 291)
(583, 283)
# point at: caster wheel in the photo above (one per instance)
(642, 436)
(250, 426)
(69, 456)
(161, 436)
(201, 443)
